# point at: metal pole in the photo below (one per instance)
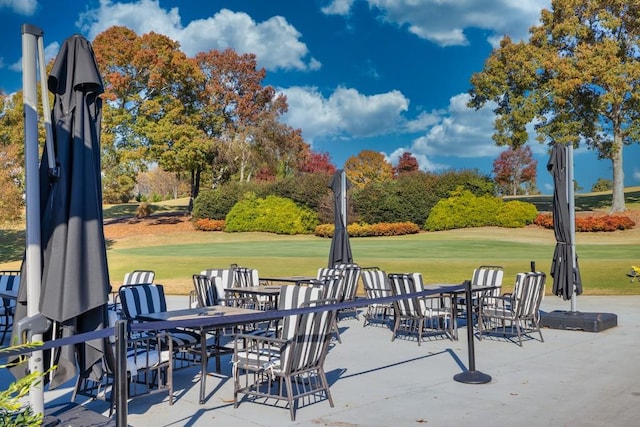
(572, 219)
(120, 381)
(343, 193)
(33, 264)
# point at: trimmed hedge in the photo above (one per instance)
(271, 214)
(370, 230)
(465, 210)
(591, 223)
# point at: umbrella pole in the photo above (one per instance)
(33, 261)
(572, 219)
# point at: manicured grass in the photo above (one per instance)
(443, 257)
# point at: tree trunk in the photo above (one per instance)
(195, 186)
(617, 201)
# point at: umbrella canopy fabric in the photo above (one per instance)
(75, 279)
(566, 277)
(340, 251)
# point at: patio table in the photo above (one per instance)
(200, 313)
(270, 292)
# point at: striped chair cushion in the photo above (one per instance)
(225, 281)
(9, 284)
(142, 299)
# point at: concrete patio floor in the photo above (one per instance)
(573, 378)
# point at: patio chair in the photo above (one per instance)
(483, 276)
(136, 277)
(224, 281)
(520, 309)
(376, 285)
(419, 315)
(352, 277)
(148, 365)
(244, 277)
(291, 366)
(9, 284)
(333, 282)
(138, 300)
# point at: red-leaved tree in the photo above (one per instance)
(515, 171)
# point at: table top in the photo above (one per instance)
(197, 313)
(256, 290)
(287, 279)
(9, 294)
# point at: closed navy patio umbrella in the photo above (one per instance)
(564, 266)
(75, 279)
(340, 252)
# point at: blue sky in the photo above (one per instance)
(384, 75)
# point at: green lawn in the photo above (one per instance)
(442, 257)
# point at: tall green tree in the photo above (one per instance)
(577, 80)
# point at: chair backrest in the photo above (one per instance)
(206, 290)
(352, 277)
(139, 276)
(226, 279)
(404, 284)
(488, 275)
(244, 277)
(376, 283)
(9, 283)
(307, 335)
(142, 299)
(528, 293)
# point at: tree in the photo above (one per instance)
(515, 168)
(368, 166)
(406, 164)
(317, 163)
(577, 80)
(602, 185)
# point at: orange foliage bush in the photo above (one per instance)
(591, 223)
(370, 230)
(206, 224)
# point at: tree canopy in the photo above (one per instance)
(576, 80)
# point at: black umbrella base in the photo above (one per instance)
(576, 320)
(472, 377)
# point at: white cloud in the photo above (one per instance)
(636, 174)
(338, 7)
(22, 7)
(346, 113)
(461, 132)
(444, 22)
(275, 42)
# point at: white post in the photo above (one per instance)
(33, 237)
(572, 218)
(343, 193)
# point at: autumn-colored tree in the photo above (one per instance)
(232, 91)
(150, 88)
(407, 163)
(11, 203)
(515, 171)
(317, 163)
(577, 80)
(368, 166)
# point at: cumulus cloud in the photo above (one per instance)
(275, 42)
(346, 113)
(22, 7)
(444, 22)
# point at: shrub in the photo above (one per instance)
(143, 210)
(270, 214)
(206, 224)
(216, 204)
(591, 223)
(369, 230)
(464, 210)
